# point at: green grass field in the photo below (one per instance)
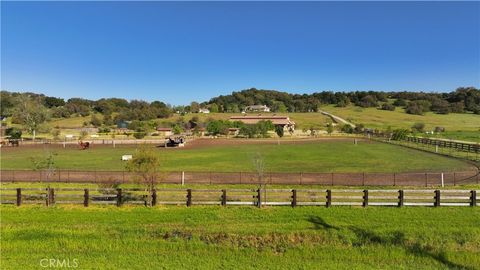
(322, 156)
(472, 136)
(242, 237)
(375, 118)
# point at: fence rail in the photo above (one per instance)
(462, 150)
(333, 179)
(253, 197)
(459, 146)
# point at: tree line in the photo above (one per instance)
(463, 99)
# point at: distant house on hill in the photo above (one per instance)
(204, 110)
(283, 121)
(257, 108)
(164, 131)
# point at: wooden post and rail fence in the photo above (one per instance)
(253, 197)
(464, 150)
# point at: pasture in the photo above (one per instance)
(242, 237)
(375, 118)
(334, 155)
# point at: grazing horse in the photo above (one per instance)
(84, 145)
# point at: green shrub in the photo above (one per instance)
(14, 133)
(279, 130)
(347, 129)
(418, 127)
(139, 133)
(399, 134)
(388, 107)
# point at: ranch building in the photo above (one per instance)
(164, 131)
(283, 121)
(257, 108)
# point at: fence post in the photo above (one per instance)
(426, 180)
(473, 198)
(259, 198)
(365, 198)
(47, 199)
(85, 197)
(19, 196)
(52, 196)
(189, 197)
(437, 198)
(224, 197)
(154, 197)
(329, 198)
(401, 198)
(294, 197)
(119, 196)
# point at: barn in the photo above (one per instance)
(283, 121)
(164, 131)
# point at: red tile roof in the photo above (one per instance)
(164, 129)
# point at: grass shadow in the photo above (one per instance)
(320, 224)
(396, 238)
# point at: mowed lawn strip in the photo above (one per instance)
(242, 237)
(325, 156)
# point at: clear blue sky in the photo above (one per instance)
(183, 51)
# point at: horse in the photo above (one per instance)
(84, 145)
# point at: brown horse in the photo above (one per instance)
(84, 145)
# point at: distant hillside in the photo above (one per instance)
(31, 110)
(458, 101)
